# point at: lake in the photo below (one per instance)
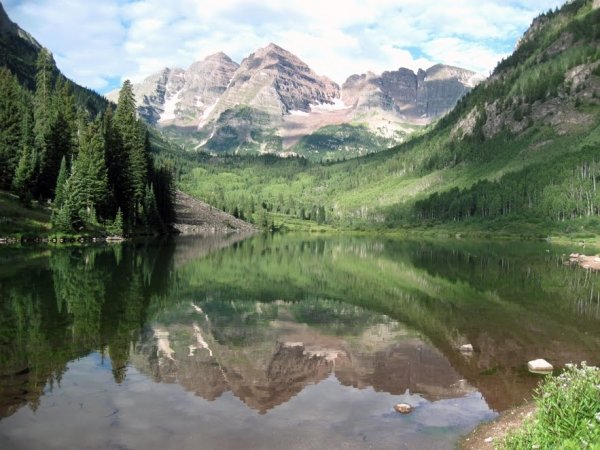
(280, 342)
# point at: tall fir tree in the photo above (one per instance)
(126, 126)
(12, 103)
(164, 191)
(24, 182)
(87, 187)
(92, 153)
(138, 159)
(61, 181)
(43, 112)
(115, 163)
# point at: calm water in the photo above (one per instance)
(285, 342)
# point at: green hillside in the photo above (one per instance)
(518, 152)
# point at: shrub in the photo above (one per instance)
(568, 413)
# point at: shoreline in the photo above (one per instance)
(488, 434)
(43, 238)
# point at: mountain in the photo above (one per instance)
(378, 111)
(183, 97)
(276, 82)
(517, 154)
(19, 51)
(274, 102)
(413, 96)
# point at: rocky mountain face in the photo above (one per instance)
(8, 27)
(277, 82)
(273, 99)
(426, 94)
(183, 97)
(19, 51)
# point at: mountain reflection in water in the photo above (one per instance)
(319, 336)
(264, 354)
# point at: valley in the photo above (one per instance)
(299, 226)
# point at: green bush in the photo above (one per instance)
(567, 416)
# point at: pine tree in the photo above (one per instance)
(42, 111)
(25, 179)
(87, 187)
(12, 103)
(61, 181)
(75, 194)
(164, 190)
(117, 227)
(138, 159)
(125, 113)
(150, 210)
(61, 219)
(66, 104)
(125, 124)
(94, 168)
(116, 163)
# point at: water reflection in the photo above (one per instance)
(265, 353)
(58, 306)
(272, 322)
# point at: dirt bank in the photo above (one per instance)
(197, 217)
(487, 435)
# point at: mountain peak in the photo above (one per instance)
(219, 56)
(275, 50)
(274, 47)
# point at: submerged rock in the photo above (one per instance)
(539, 366)
(466, 348)
(403, 408)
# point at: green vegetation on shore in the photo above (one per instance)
(567, 415)
(16, 219)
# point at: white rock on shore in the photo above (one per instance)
(539, 365)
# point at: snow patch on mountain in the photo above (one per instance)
(337, 105)
(169, 107)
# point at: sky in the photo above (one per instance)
(100, 43)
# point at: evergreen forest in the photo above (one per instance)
(89, 161)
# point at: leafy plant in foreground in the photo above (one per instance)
(568, 413)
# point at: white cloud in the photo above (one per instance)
(461, 53)
(99, 43)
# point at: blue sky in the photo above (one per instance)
(101, 43)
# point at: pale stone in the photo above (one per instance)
(539, 365)
(466, 348)
(403, 408)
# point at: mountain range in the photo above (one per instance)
(274, 102)
(518, 148)
(517, 154)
